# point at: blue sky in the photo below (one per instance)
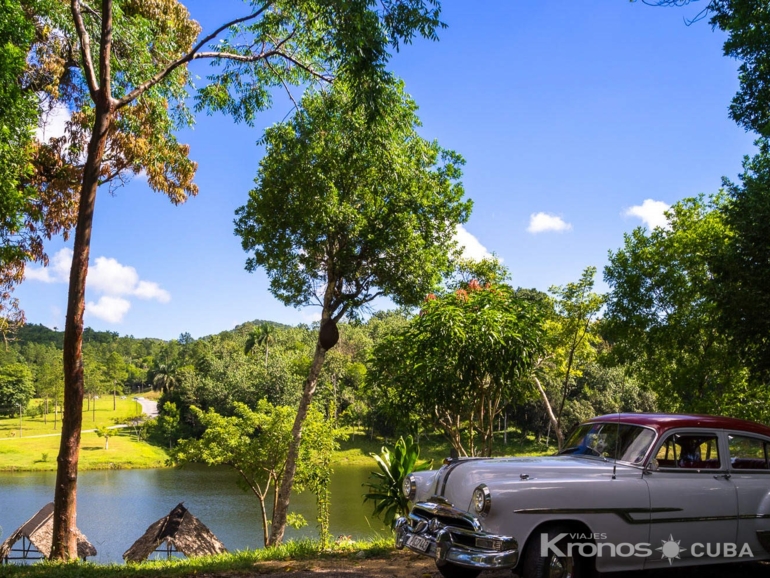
(570, 115)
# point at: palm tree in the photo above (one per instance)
(262, 335)
(165, 377)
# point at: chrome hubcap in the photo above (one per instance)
(560, 567)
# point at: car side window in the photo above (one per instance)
(689, 451)
(748, 453)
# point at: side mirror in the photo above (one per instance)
(652, 466)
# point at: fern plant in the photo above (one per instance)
(385, 485)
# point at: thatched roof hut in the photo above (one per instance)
(181, 531)
(39, 531)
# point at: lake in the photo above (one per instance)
(115, 507)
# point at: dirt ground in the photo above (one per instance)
(404, 564)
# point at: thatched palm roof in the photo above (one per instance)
(179, 529)
(39, 530)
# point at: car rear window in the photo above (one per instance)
(748, 453)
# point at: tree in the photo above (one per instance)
(165, 377)
(123, 71)
(572, 339)
(168, 422)
(742, 271)
(116, 372)
(466, 354)
(264, 336)
(255, 443)
(106, 433)
(348, 208)
(662, 318)
(18, 118)
(16, 388)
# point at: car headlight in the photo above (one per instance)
(482, 500)
(409, 487)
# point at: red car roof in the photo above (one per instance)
(663, 422)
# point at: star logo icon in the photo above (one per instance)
(670, 549)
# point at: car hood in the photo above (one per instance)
(457, 482)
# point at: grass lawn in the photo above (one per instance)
(32, 452)
(104, 415)
(358, 446)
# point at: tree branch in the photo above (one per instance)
(85, 49)
(192, 54)
(105, 51)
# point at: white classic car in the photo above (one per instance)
(627, 492)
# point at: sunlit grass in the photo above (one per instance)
(235, 562)
(358, 446)
(26, 450)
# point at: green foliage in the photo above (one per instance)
(366, 208)
(16, 388)
(18, 118)
(747, 23)
(106, 433)
(255, 444)
(466, 353)
(662, 318)
(168, 422)
(386, 487)
(743, 269)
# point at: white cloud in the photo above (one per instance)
(58, 270)
(471, 247)
(151, 290)
(110, 309)
(108, 278)
(651, 213)
(543, 222)
(52, 123)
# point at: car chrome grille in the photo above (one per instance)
(444, 518)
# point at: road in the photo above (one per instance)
(149, 408)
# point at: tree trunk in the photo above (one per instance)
(552, 418)
(106, 443)
(282, 509)
(64, 545)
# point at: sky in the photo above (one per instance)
(579, 121)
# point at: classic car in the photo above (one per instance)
(627, 492)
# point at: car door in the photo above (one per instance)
(750, 470)
(692, 498)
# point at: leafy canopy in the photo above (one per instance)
(347, 208)
(466, 353)
(661, 314)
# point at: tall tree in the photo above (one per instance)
(348, 208)
(18, 117)
(122, 69)
(572, 340)
(264, 336)
(466, 355)
(743, 269)
(662, 318)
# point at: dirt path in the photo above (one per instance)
(407, 565)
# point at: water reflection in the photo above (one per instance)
(115, 507)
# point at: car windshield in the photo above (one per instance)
(611, 441)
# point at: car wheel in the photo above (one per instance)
(449, 570)
(553, 565)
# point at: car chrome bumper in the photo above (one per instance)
(472, 549)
